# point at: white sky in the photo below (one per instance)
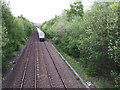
(39, 11)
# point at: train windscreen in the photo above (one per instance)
(41, 34)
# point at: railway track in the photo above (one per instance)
(54, 77)
(28, 78)
(41, 67)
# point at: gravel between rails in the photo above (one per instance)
(28, 80)
(42, 75)
(41, 67)
(18, 69)
(54, 77)
(66, 75)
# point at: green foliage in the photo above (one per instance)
(77, 78)
(75, 9)
(46, 27)
(92, 37)
(14, 34)
(116, 77)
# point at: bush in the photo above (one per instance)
(93, 37)
(14, 34)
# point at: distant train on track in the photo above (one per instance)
(41, 35)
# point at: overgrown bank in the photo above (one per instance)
(15, 30)
(96, 82)
(92, 37)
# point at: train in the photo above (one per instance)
(41, 34)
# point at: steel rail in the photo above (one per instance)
(55, 67)
(72, 69)
(50, 81)
(25, 69)
(35, 64)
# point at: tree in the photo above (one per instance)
(76, 9)
(14, 33)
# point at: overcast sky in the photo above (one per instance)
(39, 11)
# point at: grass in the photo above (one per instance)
(77, 78)
(97, 82)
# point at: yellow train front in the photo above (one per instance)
(41, 35)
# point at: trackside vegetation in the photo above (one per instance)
(15, 30)
(91, 37)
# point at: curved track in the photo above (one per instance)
(40, 67)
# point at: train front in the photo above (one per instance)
(42, 36)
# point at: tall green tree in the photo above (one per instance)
(76, 9)
(15, 30)
(93, 38)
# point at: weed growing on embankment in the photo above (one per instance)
(97, 82)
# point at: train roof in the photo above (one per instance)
(39, 30)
